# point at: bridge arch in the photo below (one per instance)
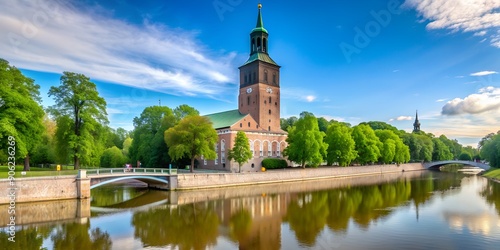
(146, 179)
(437, 164)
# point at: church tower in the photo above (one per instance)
(260, 81)
(416, 124)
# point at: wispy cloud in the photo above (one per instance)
(442, 100)
(487, 99)
(478, 16)
(401, 118)
(298, 94)
(50, 36)
(484, 73)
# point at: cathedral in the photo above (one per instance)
(258, 113)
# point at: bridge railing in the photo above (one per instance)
(131, 171)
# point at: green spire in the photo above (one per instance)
(260, 24)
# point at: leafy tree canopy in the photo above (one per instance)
(240, 152)
(341, 146)
(20, 111)
(81, 113)
(305, 142)
(193, 137)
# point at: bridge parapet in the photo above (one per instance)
(437, 164)
(121, 171)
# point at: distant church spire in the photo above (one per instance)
(416, 124)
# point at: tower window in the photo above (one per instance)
(269, 128)
(270, 100)
(269, 111)
(254, 77)
(241, 124)
(265, 75)
(248, 124)
(246, 78)
(253, 44)
(248, 100)
(258, 44)
(274, 78)
(264, 44)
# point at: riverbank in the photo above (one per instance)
(493, 174)
(218, 180)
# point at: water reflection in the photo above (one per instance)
(298, 215)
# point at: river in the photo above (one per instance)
(412, 210)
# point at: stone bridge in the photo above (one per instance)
(437, 164)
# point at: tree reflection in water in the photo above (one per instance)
(76, 236)
(491, 193)
(193, 226)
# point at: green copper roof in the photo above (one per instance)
(261, 57)
(260, 24)
(225, 119)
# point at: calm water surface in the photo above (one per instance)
(417, 210)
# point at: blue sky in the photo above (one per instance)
(354, 61)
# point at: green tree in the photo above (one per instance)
(20, 112)
(193, 137)
(441, 151)
(44, 153)
(287, 123)
(148, 145)
(454, 147)
(341, 146)
(126, 146)
(394, 149)
(183, 111)
(465, 156)
(305, 142)
(367, 144)
(322, 124)
(490, 150)
(77, 99)
(240, 152)
(112, 158)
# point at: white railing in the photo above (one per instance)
(100, 171)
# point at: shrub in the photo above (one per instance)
(112, 158)
(274, 163)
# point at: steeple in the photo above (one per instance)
(260, 24)
(416, 124)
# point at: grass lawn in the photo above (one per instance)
(493, 173)
(35, 171)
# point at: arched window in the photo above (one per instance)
(270, 100)
(258, 44)
(254, 77)
(223, 145)
(248, 100)
(269, 128)
(246, 80)
(265, 75)
(253, 45)
(264, 44)
(269, 111)
(241, 124)
(248, 124)
(274, 78)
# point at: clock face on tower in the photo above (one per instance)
(249, 90)
(269, 90)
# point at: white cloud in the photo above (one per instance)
(298, 94)
(441, 100)
(478, 16)
(50, 36)
(310, 98)
(487, 99)
(401, 118)
(484, 73)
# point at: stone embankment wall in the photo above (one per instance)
(217, 180)
(43, 189)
